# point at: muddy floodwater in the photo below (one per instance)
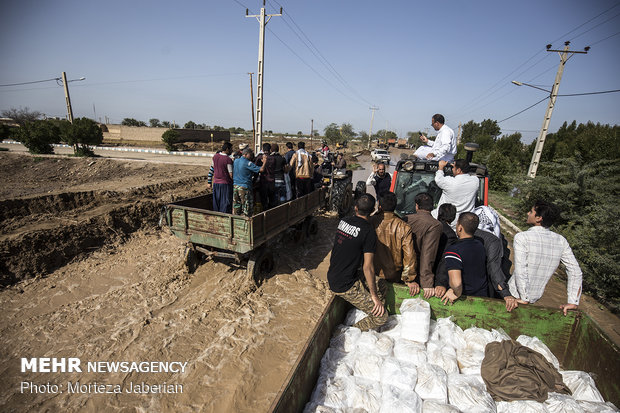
(83, 280)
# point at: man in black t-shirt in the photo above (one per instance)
(465, 261)
(356, 242)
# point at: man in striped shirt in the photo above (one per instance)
(537, 254)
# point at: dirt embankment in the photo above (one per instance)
(88, 274)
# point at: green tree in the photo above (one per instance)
(80, 134)
(166, 124)
(38, 136)
(332, 134)
(22, 115)
(132, 122)
(190, 125)
(299, 133)
(170, 137)
(154, 122)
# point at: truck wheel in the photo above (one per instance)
(191, 258)
(360, 189)
(311, 228)
(260, 265)
(343, 202)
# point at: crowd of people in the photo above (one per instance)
(277, 177)
(453, 250)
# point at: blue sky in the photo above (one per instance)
(188, 60)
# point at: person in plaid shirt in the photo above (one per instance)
(537, 254)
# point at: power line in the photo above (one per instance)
(608, 37)
(592, 93)
(583, 24)
(592, 28)
(528, 108)
(29, 83)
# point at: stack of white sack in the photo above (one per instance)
(439, 372)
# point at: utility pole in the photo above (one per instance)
(564, 56)
(372, 118)
(67, 98)
(460, 132)
(252, 99)
(258, 142)
(311, 132)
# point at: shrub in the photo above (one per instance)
(170, 137)
(82, 133)
(38, 136)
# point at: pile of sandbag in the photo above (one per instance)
(414, 364)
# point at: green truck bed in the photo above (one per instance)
(576, 340)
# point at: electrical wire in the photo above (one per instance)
(583, 24)
(29, 83)
(592, 93)
(528, 108)
(592, 28)
(608, 37)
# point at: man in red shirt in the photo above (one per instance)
(222, 179)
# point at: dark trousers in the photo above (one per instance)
(222, 198)
(268, 197)
(303, 186)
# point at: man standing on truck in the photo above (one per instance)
(427, 233)
(395, 257)
(460, 189)
(465, 261)
(537, 254)
(223, 179)
(243, 191)
(301, 163)
(444, 146)
(355, 243)
(379, 179)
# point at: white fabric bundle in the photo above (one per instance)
(521, 406)
(535, 344)
(399, 374)
(365, 394)
(317, 408)
(592, 407)
(346, 339)
(432, 383)
(431, 406)
(451, 333)
(353, 316)
(416, 316)
(367, 365)
(469, 394)
(561, 403)
(443, 355)
(336, 363)
(478, 338)
(398, 400)
(336, 392)
(393, 326)
(582, 386)
(410, 351)
(470, 360)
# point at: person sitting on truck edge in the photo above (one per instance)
(444, 146)
(380, 179)
(459, 190)
(537, 254)
(427, 233)
(243, 192)
(445, 216)
(465, 261)
(280, 169)
(223, 179)
(355, 242)
(267, 184)
(291, 174)
(340, 162)
(301, 163)
(395, 257)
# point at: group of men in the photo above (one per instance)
(280, 177)
(455, 249)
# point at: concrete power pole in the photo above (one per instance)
(252, 99)
(372, 118)
(564, 56)
(67, 98)
(311, 132)
(258, 142)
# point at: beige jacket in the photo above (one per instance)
(304, 168)
(395, 257)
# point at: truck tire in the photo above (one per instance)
(311, 227)
(260, 265)
(342, 197)
(191, 258)
(360, 189)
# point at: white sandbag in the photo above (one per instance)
(317, 408)
(469, 394)
(561, 403)
(594, 407)
(478, 338)
(535, 344)
(399, 374)
(521, 406)
(384, 346)
(410, 351)
(451, 333)
(335, 392)
(416, 316)
(366, 341)
(398, 400)
(430, 406)
(470, 360)
(393, 327)
(367, 365)
(433, 333)
(353, 316)
(345, 339)
(500, 335)
(582, 386)
(443, 355)
(336, 363)
(365, 394)
(432, 383)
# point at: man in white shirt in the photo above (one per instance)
(537, 254)
(459, 190)
(444, 146)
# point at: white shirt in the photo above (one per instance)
(459, 191)
(444, 144)
(537, 254)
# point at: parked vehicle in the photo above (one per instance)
(402, 143)
(576, 340)
(380, 155)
